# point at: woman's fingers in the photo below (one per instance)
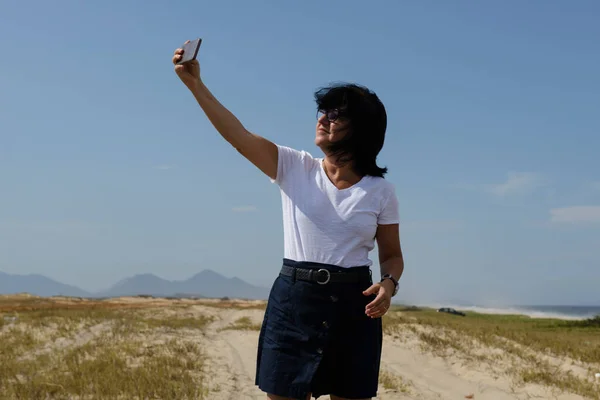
(177, 54)
(377, 311)
(179, 51)
(378, 307)
(376, 302)
(379, 314)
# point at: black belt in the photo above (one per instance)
(324, 276)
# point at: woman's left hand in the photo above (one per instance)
(380, 305)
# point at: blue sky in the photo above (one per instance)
(108, 167)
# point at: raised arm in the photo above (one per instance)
(258, 150)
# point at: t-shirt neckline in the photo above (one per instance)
(330, 183)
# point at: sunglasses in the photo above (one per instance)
(332, 115)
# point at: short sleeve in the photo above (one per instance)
(289, 160)
(390, 213)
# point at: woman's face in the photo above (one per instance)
(331, 127)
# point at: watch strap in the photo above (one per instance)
(394, 281)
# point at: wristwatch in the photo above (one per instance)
(390, 277)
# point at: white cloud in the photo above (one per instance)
(164, 167)
(244, 209)
(516, 183)
(576, 214)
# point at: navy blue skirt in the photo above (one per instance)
(317, 338)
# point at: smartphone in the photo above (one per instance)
(190, 51)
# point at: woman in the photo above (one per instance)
(322, 330)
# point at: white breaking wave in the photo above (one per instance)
(510, 311)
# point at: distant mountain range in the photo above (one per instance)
(38, 285)
(204, 284)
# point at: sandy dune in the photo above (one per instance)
(423, 376)
(409, 370)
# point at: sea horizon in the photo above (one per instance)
(566, 312)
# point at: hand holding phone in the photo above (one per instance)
(186, 65)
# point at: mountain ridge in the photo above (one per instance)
(206, 283)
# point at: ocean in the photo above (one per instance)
(567, 312)
(560, 312)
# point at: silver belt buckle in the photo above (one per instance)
(328, 277)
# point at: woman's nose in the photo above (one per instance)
(323, 120)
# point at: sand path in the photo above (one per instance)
(425, 376)
(233, 357)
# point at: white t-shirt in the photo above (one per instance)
(324, 224)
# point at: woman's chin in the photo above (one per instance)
(321, 142)
(321, 138)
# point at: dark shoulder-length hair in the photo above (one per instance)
(367, 124)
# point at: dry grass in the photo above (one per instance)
(236, 304)
(146, 348)
(550, 352)
(243, 324)
(61, 348)
(393, 382)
